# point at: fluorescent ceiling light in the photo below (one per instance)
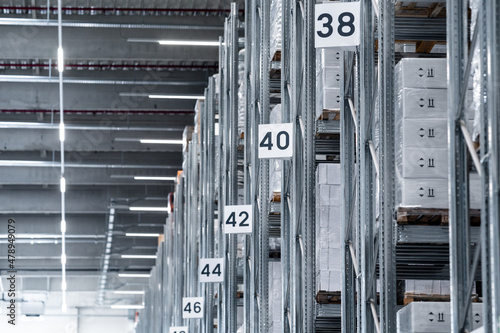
(62, 135)
(63, 184)
(163, 142)
(154, 178)
(149, 209)
(128, 292)
(138, 256)
(129, 307)
(132, 234)
(189, 42)
(63, 226)
(134, 275)
(177, 96)
(60, 59)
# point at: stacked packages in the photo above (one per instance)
(275, 26)
(421, 129)
(275, 303)
(328, 228)
(328, 80)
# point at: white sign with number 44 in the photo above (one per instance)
(238, 219)
(178, 329)
(192, 307)
(337, 25)
(211, 270)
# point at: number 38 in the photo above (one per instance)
(346, 25)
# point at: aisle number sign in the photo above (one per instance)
(238, 219)
(276, 140)
(211, 270)
(192, 307)
(337, 25)
(178, 329)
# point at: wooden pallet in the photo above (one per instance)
(328, 297)
(276, 56)
(410, 297)
(330, 115)
(431, 216)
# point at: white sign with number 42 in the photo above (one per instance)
(178, 329)
(192, 307)
(337, 25)
(238, 219)
(211, 270)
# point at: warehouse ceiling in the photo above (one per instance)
(113, 62)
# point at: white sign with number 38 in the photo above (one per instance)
(337, 25)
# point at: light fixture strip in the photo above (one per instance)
(138, 256)
(60, 55)
(132, 275)
(161, 142)
(149, 209)
(154, 178)
(107, 256)
(134, 234)
(176, 96)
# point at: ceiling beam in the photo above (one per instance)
(104, 43)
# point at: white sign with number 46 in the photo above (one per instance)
(337, 25)
(211, 270)
(238, 219)
(178, 329)
(192, 307)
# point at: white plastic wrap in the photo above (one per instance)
(433, 193)
(275, 26)
(275, 165)
(427, 287)
(275, 297)
(421, 73)
(475, 107)
(241, 91)
(328, 227)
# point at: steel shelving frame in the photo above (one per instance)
(368, 173)
(369, 232)
(463, 260)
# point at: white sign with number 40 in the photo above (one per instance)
(211, 270)
(238, 219)
(178, 329)
(276, 140)
(337, 25)
(192, 307)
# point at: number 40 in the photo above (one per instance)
(267, 141)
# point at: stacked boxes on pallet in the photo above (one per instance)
(328, 228)
(328, 77)
(421, 131)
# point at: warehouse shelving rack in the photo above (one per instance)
(369, 231)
